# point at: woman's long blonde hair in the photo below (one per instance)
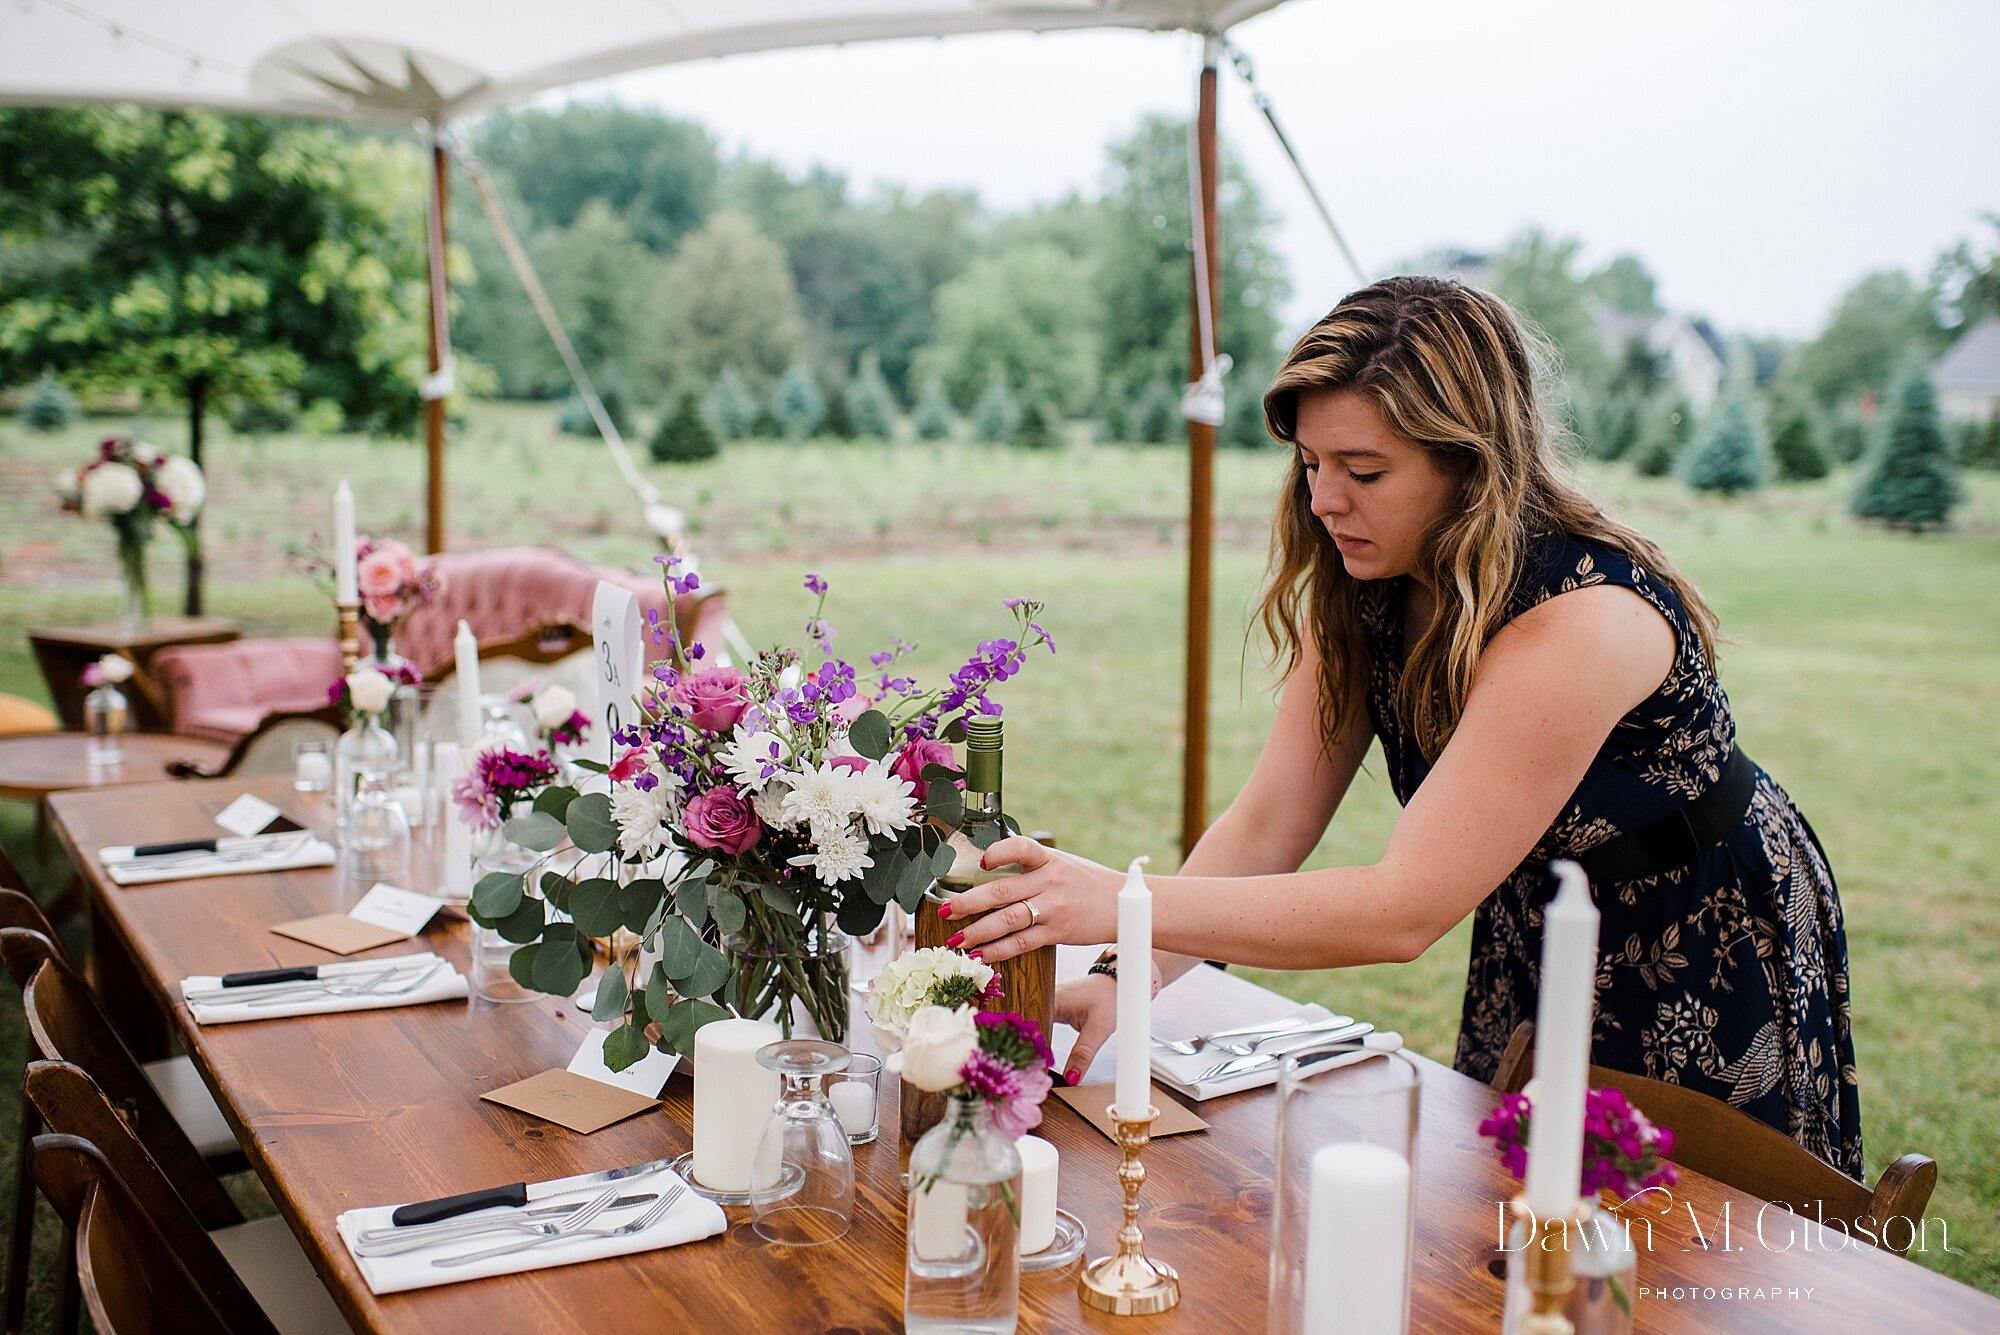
(1454, 372)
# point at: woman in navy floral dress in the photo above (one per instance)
(1543, 683)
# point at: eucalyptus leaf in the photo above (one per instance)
(558, 968)
(869, 734)
(612, 994)
(521, 965)
(636, 999)
(537, 830)
(677, 1028)
(625, 1045)
(945, 804)
(942, 859)
(710, 974)
(638, 900)
(880, 879)
(778, 897)
(524, 924)
(557, 888)
(555, 801)
(660, 993)
(680, 948)
(936, 773)
(954, 731)
(917, 878)
(591, 828)
(594, 907)
(860, 914)
(594, 766)
(498, 893)
(726, 907)
(691, 902)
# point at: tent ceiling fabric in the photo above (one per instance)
(396, 60)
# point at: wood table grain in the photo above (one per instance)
(38, 764)
(382, 1107)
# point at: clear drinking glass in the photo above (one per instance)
(376, 842)
(492, 953)
(802, 1180)
(105, 715)
(857, 1097)
(312, 765)
(962, 1261)
(1343, 1199)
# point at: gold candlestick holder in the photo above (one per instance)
(350, 636)
(1128, 1282)
(1545, 1266)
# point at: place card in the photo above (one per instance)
(568, 1099)
(339, 933)
(395, 908)
(645, 1077)
(1093, 1104)
(248, 815)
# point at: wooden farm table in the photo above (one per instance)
(34, 765)
(381, 1107)
(63, 652)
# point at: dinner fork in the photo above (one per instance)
(668, 1199)
(377, 986)
(355, 978)
(1257, 1060)
(395, 1240)
(1188, 1047)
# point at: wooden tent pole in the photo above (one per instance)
(440, 311)
(1201, 471)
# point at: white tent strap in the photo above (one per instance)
(1201, 401)
(1241, 64)
(510, 242)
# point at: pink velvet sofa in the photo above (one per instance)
(224, 691)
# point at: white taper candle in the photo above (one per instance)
(445, 765)
(344, 587)
(1562, 1045)
(1134, 1092)
(465, 650)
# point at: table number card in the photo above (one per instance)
(248, 815)
(621, 659)
(395, 908)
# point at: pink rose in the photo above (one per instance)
(852, 764)
(630, 765)
(910, 761)
(724, 820)
(852, 708)
(383, 572)
(713, 697)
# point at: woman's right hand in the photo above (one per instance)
(1090, 1006)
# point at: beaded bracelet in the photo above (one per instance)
(1106, 964)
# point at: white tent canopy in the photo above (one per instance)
(441, 59)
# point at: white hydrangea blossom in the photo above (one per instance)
(111, 489)
(116, 669)
(179, 479)
(553, 705)
(907, 983)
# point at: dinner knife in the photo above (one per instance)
(1272, 1056)
(514, 1194)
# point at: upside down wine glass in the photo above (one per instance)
(802, 1180)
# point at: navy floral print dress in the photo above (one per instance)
(1727, 975)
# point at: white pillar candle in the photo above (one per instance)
(733, 1097)
(1357, 1240)
(465, 650)
(939, 1220)
(854, 1105)
(1562, 1046)
(1039, 1162)
(1134, 1093)
(457, 837)
(344, 587)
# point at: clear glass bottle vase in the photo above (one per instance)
(962, 1264)
(106, 714)
(364, 750)
(492, 953)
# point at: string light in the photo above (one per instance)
(120, 35)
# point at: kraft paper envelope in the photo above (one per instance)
(339, 933)
(568, 1099)
(1093, 1105)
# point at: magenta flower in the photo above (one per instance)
(722, 819)
(910, 761)
(714, 698)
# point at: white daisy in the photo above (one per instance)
(842, 858)
(769, 804)
(752, 757)
(642, 816)
(886, 803)
(823, 797)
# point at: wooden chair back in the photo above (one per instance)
(65, 1025)
(73, 1106)
(1731, 1146)
(18, 909)
(10, 875)
(131, 1283)
(267, 749)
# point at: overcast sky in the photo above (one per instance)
(1758, 155)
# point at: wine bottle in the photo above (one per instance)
(985, 822)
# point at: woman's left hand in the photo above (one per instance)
(1075, 902)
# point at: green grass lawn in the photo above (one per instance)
(1862, 666)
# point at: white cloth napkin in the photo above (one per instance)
(447, 984)
(289, 854)
(1178, 1073)
(691, 1219)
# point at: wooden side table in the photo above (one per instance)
(62, 652)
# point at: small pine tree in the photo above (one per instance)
(1039, 423)
(1156, 415)
(1620, 428)
(684, 434)
(835, 420)
(1909, 481)
(1795, 445)
(799, 405)
(870, 404)
(1731, 455)
(1847, 439)
(996, 415)
(933, 415)
(574, 418)
(731, 406)
(47, 406)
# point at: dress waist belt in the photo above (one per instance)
(1677, 838)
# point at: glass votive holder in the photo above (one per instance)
(312, 764)
(1343, 1200)
(857, 1097)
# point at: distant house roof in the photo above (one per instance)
(1973, 364)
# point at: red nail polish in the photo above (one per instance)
(956, 937)
(974, 955)
(1070, 1077)
(944, 910)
